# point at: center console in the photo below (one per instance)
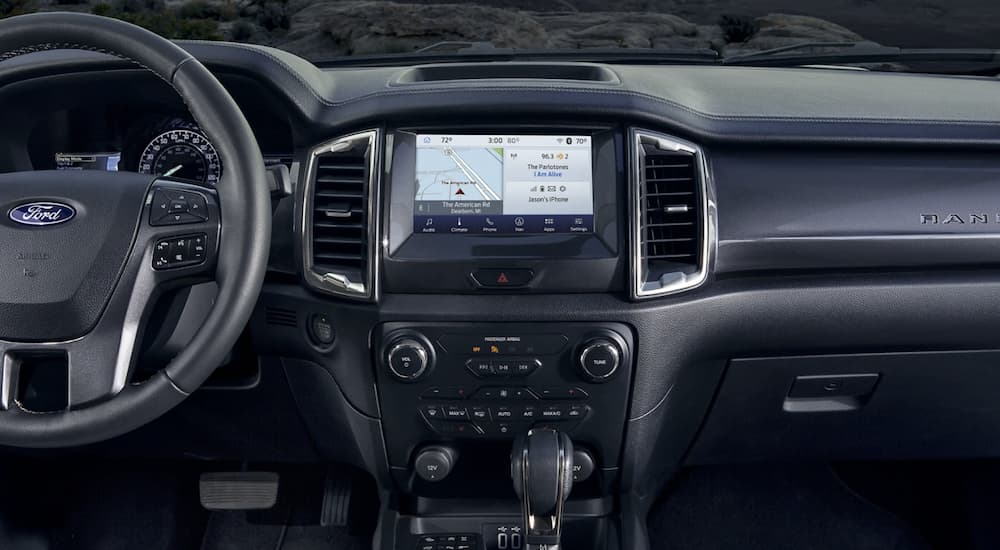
(503, 210)
(454, 397)
(458, 385)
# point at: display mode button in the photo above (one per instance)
(502, 278)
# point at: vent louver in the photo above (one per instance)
(340, 230)
(670, 215)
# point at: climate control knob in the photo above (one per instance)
(599, 359)
(408, 359)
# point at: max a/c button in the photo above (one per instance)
(502, 278)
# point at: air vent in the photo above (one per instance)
(339, 231)
(281, 317)
(670, 215)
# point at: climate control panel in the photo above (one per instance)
(462, 384)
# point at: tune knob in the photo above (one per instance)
(434, 463)
(408, 359)
(599, 359)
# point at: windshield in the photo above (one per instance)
(325, 30)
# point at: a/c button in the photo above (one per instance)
(502, 278)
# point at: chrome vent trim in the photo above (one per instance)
(642, 285)
(357, 284)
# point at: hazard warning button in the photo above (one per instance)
(502, 278)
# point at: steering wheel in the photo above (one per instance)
(85, 254)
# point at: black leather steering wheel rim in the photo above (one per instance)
(244, 236)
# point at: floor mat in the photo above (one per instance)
(233, 531)
(51, 506)
(778, 507)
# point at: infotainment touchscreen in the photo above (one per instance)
(503, 184)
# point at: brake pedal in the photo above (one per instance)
(238, 490)
(336, 500)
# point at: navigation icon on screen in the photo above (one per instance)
(519, 221)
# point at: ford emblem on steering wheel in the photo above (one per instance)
(42, 213)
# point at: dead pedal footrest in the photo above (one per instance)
(238, 490)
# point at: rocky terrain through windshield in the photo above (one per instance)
(324, 29)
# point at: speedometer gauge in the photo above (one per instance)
(184, 154)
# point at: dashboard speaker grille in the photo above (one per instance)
(281, 317)
(340, 231)
(669, 215)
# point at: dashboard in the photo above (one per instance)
(676, 265)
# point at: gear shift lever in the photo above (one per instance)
(541, 464)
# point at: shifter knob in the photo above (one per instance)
(541, 466)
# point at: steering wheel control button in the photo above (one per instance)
(180, 251)
(502, 278)
(198, 247)
(177, 207)
(161, 254)
(599, 359)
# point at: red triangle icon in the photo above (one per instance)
(502, 279)
(459, 192)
